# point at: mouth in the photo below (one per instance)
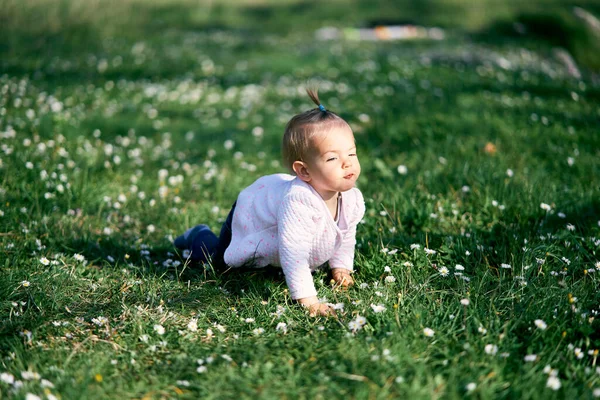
(349, 176)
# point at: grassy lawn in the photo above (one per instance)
(124, 123)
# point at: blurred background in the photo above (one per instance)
(48, 26)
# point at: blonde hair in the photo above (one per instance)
(302, 128)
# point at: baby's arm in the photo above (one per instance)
(296, 229)
(342, 262)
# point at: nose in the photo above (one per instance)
(347, 162)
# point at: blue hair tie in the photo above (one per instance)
(322, 108)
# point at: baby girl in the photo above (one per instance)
(297, 221)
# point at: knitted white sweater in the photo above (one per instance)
(281, 220)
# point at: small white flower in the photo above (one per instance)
(459, 267)
(596, 392)
(471, 386)
(228, 144)
(387, 269)
(429, 251)
(428, 332)
(509, 173)
(7, 378)
(553, 383)
(158, 328)
(482, 330)
(465, 302)
(201, 369)
(357, 323)
(29, 375)
(530, 357)
(390, 279)
(79, 257)
(415, 246)
(540, 324)
(506, 266)
(547, 369)
(444, 271)
(31, 396)
(249, 320)
(45, 261)
(377, 308)
(193, 325)
(491, 349)
(570, 227)
(282, 326)
(402, 170)
(258, 331)
(45, 383)
(100, 321)
(545, 207)
(25, 283)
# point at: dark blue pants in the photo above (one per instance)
(204, 244)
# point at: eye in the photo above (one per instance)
(331, 159)
(352, 154)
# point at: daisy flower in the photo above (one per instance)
(491, 349)
(540, 324)
(553, 383)
(428, 332)
(193, 325)
(377, 308)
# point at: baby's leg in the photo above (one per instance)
(224, 238)
(200, 240)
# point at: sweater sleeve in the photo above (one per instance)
(296, 230)
(344, 255)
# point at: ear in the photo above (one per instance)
(301, 171)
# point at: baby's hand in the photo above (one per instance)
(315, 308)
(342, 277)
(320, 309)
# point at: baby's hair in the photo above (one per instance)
(300, 130)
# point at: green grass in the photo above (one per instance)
(89, 118)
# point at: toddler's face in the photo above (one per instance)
(333, 165)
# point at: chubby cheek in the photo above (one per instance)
(357, 168)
